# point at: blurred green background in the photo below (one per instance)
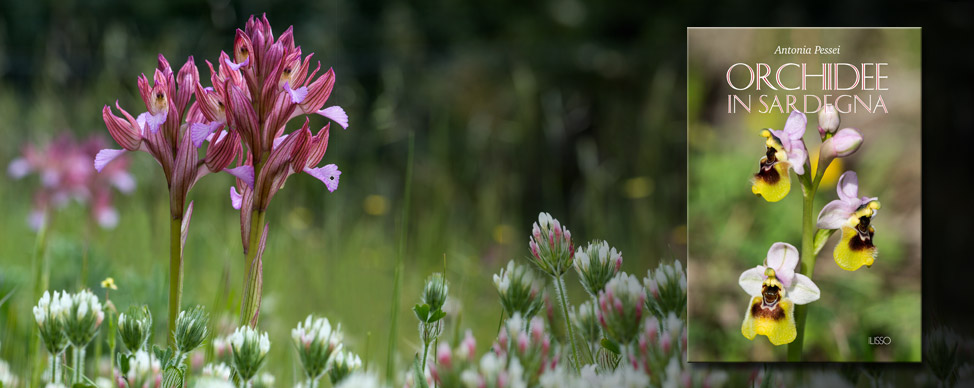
(730, 229)
(516, 107)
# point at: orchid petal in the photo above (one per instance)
(236, 199)
(795, 125)
(783, 258)
(105, 156)
(153, 121)
(199, 131)
(336, 114)
(751, 280)
(235, 66)
(835, 214)
(804, 291)
(18, 168)
(279, 140)
(245, 173)
(123, 181)
(797, 155)
(848, 187)
(328, 175)
(297, 95)
(107, 217)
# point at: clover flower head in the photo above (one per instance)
(317, 343)
(596, 265)
(853, 215)
(621, 305)
(528, 342)
(83, 318)
(7, 376)
(191, 329)
(452, 364)
(585, 319)
(785, 150)
(551, 245)
(360, 380)
(50, 315)
(435, 291)
(344, 364)
(775, 289)
(249, 350)
(519, 290)
(218, 371)
(143, 371)
(666, 289)
(135, 328)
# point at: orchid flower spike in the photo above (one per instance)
(852, 214)
(775, 289)
(785, 149)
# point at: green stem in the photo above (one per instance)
(175, 274)
(54, 365)
(41, 267)
(397, 274)
(560, 286)
(249, 309)
(426, 349)
(807, 258)
(76, 356)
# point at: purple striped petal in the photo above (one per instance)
(245, 173)
(297, 95)
(328, 175)
(152, 121)
(336, 114)
(235, 198)
(199, 131)
(105, 156)
(235, 66)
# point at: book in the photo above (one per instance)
(804, 199)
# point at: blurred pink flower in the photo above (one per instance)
(66, 173)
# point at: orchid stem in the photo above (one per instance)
(807, 267)
(560, 286)
(41, 278)
(175, 273)
(250, 309)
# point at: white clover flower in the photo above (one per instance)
(7, 377)
(519, 290)
(360, 380)
(551, 245)
(220, 371)
(212, 382)
(621, 306)
(83, 316)
(249, 350)
(596, 264)
(317, 343)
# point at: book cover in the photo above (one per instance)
(804, 199)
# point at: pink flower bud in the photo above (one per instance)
(845, 142)
(828, 119)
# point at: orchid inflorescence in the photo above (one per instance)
(240, 120)
(784, 281)
(66, 174)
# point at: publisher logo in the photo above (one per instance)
(880, 340)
